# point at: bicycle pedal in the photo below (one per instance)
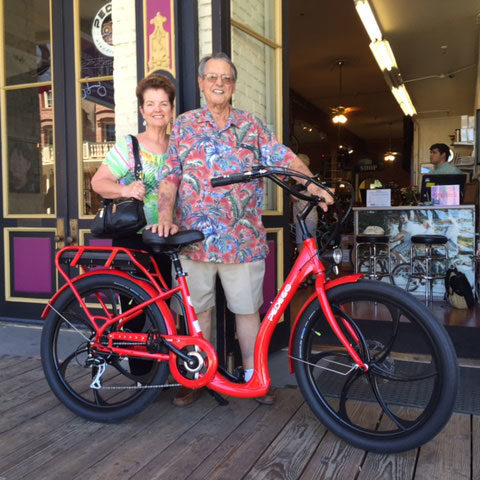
(220, 400)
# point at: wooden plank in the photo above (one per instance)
(66, 441)
(448, 455)
(88, 451)
(31, 437)
(240, 450)
(8, 362)
(183, 456)
(476, 447)
(399, 466)
(288, 454)
(31, 404)
(31, 401)
(31, 373)
(166, 423)
(335, 459)
(18, 396)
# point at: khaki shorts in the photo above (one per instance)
(241, 282)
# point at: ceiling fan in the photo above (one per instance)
(340, 112)
(389, 155)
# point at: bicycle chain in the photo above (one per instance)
(144, 387)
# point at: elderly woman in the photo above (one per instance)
(116, 178)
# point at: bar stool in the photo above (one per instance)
(376, 250)
(424, 256)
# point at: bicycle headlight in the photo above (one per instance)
(337, 256)
(333, 256)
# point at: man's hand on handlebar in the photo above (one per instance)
(325, 198)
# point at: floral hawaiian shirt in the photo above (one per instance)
(229, 216)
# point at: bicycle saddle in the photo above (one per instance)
(176, 241)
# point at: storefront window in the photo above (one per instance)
(98, 133)
(27, 41)
(96, 38)
(28, 152)
(259, 16)
(256, 52)
(97, 99)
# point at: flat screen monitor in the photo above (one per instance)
(431, 179)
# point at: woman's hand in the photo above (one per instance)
(164, 228)
(134, 190)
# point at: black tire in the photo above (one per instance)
(411, 383)
(65, 352)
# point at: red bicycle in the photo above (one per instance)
(110, 341)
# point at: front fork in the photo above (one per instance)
(322, 288)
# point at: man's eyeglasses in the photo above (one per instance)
(212, 77)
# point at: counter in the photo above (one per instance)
(457, 223)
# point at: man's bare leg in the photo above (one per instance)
(247, 329)
(205, 320)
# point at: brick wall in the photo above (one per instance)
(124, 67)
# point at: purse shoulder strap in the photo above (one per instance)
(136, 155)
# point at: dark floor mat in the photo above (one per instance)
(412, 394)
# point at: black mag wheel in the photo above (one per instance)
(409, 391)
(70, 365)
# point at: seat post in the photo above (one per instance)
(177, 265)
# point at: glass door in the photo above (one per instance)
(57, 122)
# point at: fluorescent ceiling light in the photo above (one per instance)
(383, 54)
(368, 19)
(403, 99)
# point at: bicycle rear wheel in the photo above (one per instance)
(410, 387)
(70, 364)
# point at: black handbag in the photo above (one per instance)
(121, 218)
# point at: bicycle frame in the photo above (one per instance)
(308, 262)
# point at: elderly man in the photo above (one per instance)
(206, 143)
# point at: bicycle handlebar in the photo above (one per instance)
(272, 172)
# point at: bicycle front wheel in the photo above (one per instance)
(128, 385)
(410, 388)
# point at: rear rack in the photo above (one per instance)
(120, 260)
(124, 259)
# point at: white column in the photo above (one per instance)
(124, 67)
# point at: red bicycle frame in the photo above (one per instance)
(307, 263)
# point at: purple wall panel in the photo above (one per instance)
(100, 242)
(32, 264)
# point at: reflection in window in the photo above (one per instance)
(96, 38)
(27, 41)
(256, 92)
(258, 15)
(31, 161)
(98, 135)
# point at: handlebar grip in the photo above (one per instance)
(228, 179)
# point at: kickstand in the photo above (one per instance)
(221, 401)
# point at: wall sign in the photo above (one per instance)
(102, 30)
(159, 25)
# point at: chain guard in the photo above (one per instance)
(201, 347)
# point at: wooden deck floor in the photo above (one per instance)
(41, 439)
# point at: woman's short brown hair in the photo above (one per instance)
(156, 82)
